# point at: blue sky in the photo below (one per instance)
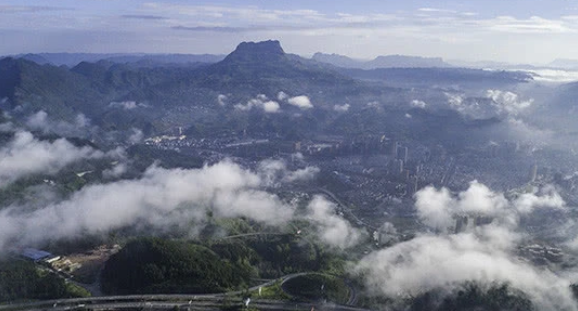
(531, 31)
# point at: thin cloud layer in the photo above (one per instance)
(127, 105)
(418, 103)
(40, 121)
(447, 31)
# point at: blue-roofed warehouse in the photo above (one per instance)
(36, 254)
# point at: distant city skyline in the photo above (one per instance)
(533, 32)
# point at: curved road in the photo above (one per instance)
(352, 292)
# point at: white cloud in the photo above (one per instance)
(418, 103)
(281, 96)
(222, 100)
(555, 75)
(136, 136)
(544, 197)
(116, 171)
(495, 103)
(332, 229)
(341, 108)
(532, 25)
(508, 101)
(126, 105)
(302, 102)
(82, 121)
(436, 10)
(455, 100)
(432, 262)
(426, 31)
(25, 155)
(271, 106)
(176, 198)
(484, 253)
(524, 132)
(437, 208)
(40, 121)
(275, 172)
(159, 199)
(260, 101)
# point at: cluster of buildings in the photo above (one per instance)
(541, 254)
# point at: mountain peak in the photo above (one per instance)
(269, 46)
(257, 51)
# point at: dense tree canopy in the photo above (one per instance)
(22, 280)
(153, 265)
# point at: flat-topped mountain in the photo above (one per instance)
(265, 51)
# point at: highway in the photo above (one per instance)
(168, 301)
(197, 302)
(165, 302)
(252, 234)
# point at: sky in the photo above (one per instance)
(530, 31)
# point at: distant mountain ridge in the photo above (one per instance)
(156, 98)
(388, 61)
(122, 95)
(564, 63)
(73, 59)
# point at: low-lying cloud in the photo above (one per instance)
(495, 103)
(341, 108)
(40, 121)
(222, 100)
(127, 105)
(484, 252)
(418, 103)
(260, 102)
(25, 155)
(301, 102)
(168, 198)
(508, 102)
(332, 229)
(274, 173)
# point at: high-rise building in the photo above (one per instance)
(461, 224)
(404, 154)
(297, 146)
(398, 166)
(533, 173)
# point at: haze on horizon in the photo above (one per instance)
(534, 31)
